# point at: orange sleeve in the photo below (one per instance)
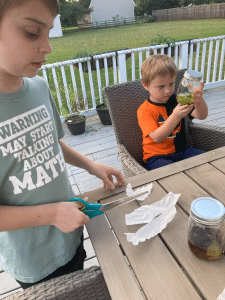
(147, 119)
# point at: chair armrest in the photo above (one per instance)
(130, 166)
(87, 284)
(206, 137)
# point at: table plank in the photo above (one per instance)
(157, 271)
(123, 285)
(181, 183)
(156, 174)
(210, 179)
(219, 164)
(208, 276)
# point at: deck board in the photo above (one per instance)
(99, 144)
(215, 99)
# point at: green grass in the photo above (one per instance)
(132, 36)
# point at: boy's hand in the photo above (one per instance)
(197, 92)
(68, 217)
(181, 111)
(106, 173)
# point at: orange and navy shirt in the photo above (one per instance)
(152, 115)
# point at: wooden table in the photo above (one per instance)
(162, 267)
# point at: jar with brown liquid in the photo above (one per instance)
(206, 228)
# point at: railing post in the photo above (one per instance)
(183, 56)
(122, 69)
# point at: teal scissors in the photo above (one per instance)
(93, 210)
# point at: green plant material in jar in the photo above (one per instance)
(185, 98)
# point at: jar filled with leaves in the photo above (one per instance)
(206, 228)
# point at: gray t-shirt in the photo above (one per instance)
(33, 172)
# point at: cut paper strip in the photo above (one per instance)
(147, 188)
(222, 296)
(155, 222)
(147, 213)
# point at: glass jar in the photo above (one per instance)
(206, 228)
(184, 93)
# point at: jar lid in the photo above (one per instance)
(208, 211)
(193, 75)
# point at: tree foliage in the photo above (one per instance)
(85, 3)
(71, 12)
(147, 6)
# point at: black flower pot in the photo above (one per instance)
(76, 128)
(103, 114)
(101, 61)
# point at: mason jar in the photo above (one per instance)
(184, 93)
(206, 228)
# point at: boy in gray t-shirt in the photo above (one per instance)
(40, 230)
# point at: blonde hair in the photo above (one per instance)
(157, 65)
(5, 5)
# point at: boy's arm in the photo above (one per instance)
(162, 132)
(201, 109)
(66, 216)
(103, 172)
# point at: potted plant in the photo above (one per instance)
(83, 53)
(90, 53)
(160, 39)
(74, 120)
(103, 113)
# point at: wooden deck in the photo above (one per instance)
(99, 143)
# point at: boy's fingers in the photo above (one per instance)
(201, 85)
(108, 182)
(103, 184)
(78, 205)
(120, 179)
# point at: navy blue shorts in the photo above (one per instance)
(163, 160)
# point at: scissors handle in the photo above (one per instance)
(89, 209)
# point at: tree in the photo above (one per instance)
(71, 12)
(85, 3)
(147, 6)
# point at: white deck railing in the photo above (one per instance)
(68, 82)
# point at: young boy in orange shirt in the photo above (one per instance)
(160, 116)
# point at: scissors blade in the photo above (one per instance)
(121, 201)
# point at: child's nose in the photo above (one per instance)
(168, 90)
(45, 46)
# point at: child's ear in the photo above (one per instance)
(144, 85)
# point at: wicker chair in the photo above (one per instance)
(88, 284)
(123, 101)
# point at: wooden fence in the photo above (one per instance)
(206, 11)
(116, 22)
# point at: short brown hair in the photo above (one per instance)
(157, 65)
(53, 6)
